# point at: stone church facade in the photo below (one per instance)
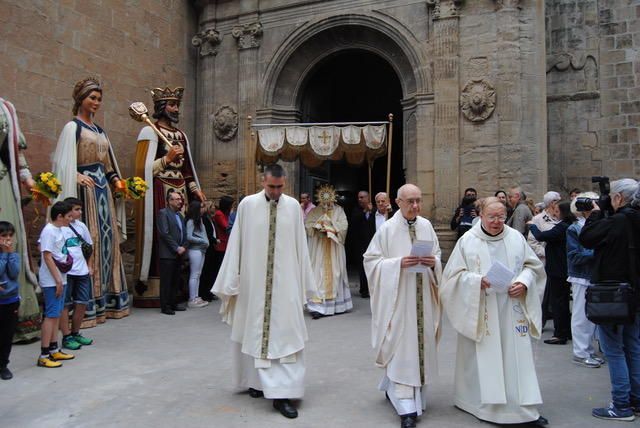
(485, 93)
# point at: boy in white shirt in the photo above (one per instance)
(78, 291)
(53, 281)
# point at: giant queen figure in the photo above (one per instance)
(163, 166)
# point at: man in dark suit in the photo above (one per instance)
(208, 275)
(359, 233)
(172, 245)
(383, 213)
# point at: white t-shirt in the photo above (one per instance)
(52, 240)
(74, 245)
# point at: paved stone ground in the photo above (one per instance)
(153, 370)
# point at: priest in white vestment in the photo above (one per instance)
(263, 283)
(326, 227)
(404, 305)
(496, 315)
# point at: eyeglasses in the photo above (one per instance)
(412, 201)
(500, 218)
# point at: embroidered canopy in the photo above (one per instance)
(314, 143)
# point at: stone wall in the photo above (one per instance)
(593, 88)
(130, 45)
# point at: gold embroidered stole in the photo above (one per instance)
(266, 323)
(327, 264)
(419, 309)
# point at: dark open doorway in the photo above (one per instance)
(352, 86)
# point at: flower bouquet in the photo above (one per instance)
(47, 187)
(136, 188)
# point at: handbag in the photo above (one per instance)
(65, 265)
(87, 249)
(614, 302)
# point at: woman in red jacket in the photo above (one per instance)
(221, 223)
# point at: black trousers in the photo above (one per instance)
(559, 292)
(364, 284)
(8, 323)
(169, 281)
(208, 275)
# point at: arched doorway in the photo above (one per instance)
(352, 85)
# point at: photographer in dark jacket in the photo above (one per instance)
(465, 213)
(556, 268)
(610, 239)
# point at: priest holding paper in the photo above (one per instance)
(403, 268)
(491, 290)
(263, 282)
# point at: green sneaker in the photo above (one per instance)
(84, 341)
(71, 343)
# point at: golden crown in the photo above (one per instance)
(159, 94)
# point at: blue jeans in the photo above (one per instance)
(621, 346)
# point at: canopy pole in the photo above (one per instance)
(389, 147)
(252, 151)
(247, 156)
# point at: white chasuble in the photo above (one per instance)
(394, 292)
(263, 282)
(495, 377)
(327, 231)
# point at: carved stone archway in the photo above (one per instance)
(297, 57)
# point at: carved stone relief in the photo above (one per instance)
(207, 41)
(478, 100)
(247, 35)
(445, 8)
(225, 123)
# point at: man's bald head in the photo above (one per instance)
(410, 201)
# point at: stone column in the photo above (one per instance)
(248, 36)
(207, 43)
(509, 95)
(446, 89)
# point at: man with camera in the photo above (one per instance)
(614, 238)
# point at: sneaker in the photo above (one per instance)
(48, 362)
(612, 413)
(592, 363)
(84, 341)
(598, 359)
(197, 303)
(59, 355)
(71, 343)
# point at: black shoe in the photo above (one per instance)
(168, 311)
(408, 421)
(540, 422)
(316, 315)
(285, 408)
(179, 307)
(214, 297)
(255, 393)
(556, 341)
(364, 295)
(5, 373)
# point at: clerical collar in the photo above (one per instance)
(488, 234)
(410, 222)
(269, 200)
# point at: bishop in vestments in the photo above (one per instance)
(495, 317)
(263, 284)
(404, 305)
(326, 227)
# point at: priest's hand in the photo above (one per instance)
(409, 261)
(484, 283)
(429, 261)
(517, 289)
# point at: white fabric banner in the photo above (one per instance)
(271, 139)
(374, 135)
(324, 139)
(297, 135)
(351, 134)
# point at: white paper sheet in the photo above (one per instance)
(421, 249)
(499, 277)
